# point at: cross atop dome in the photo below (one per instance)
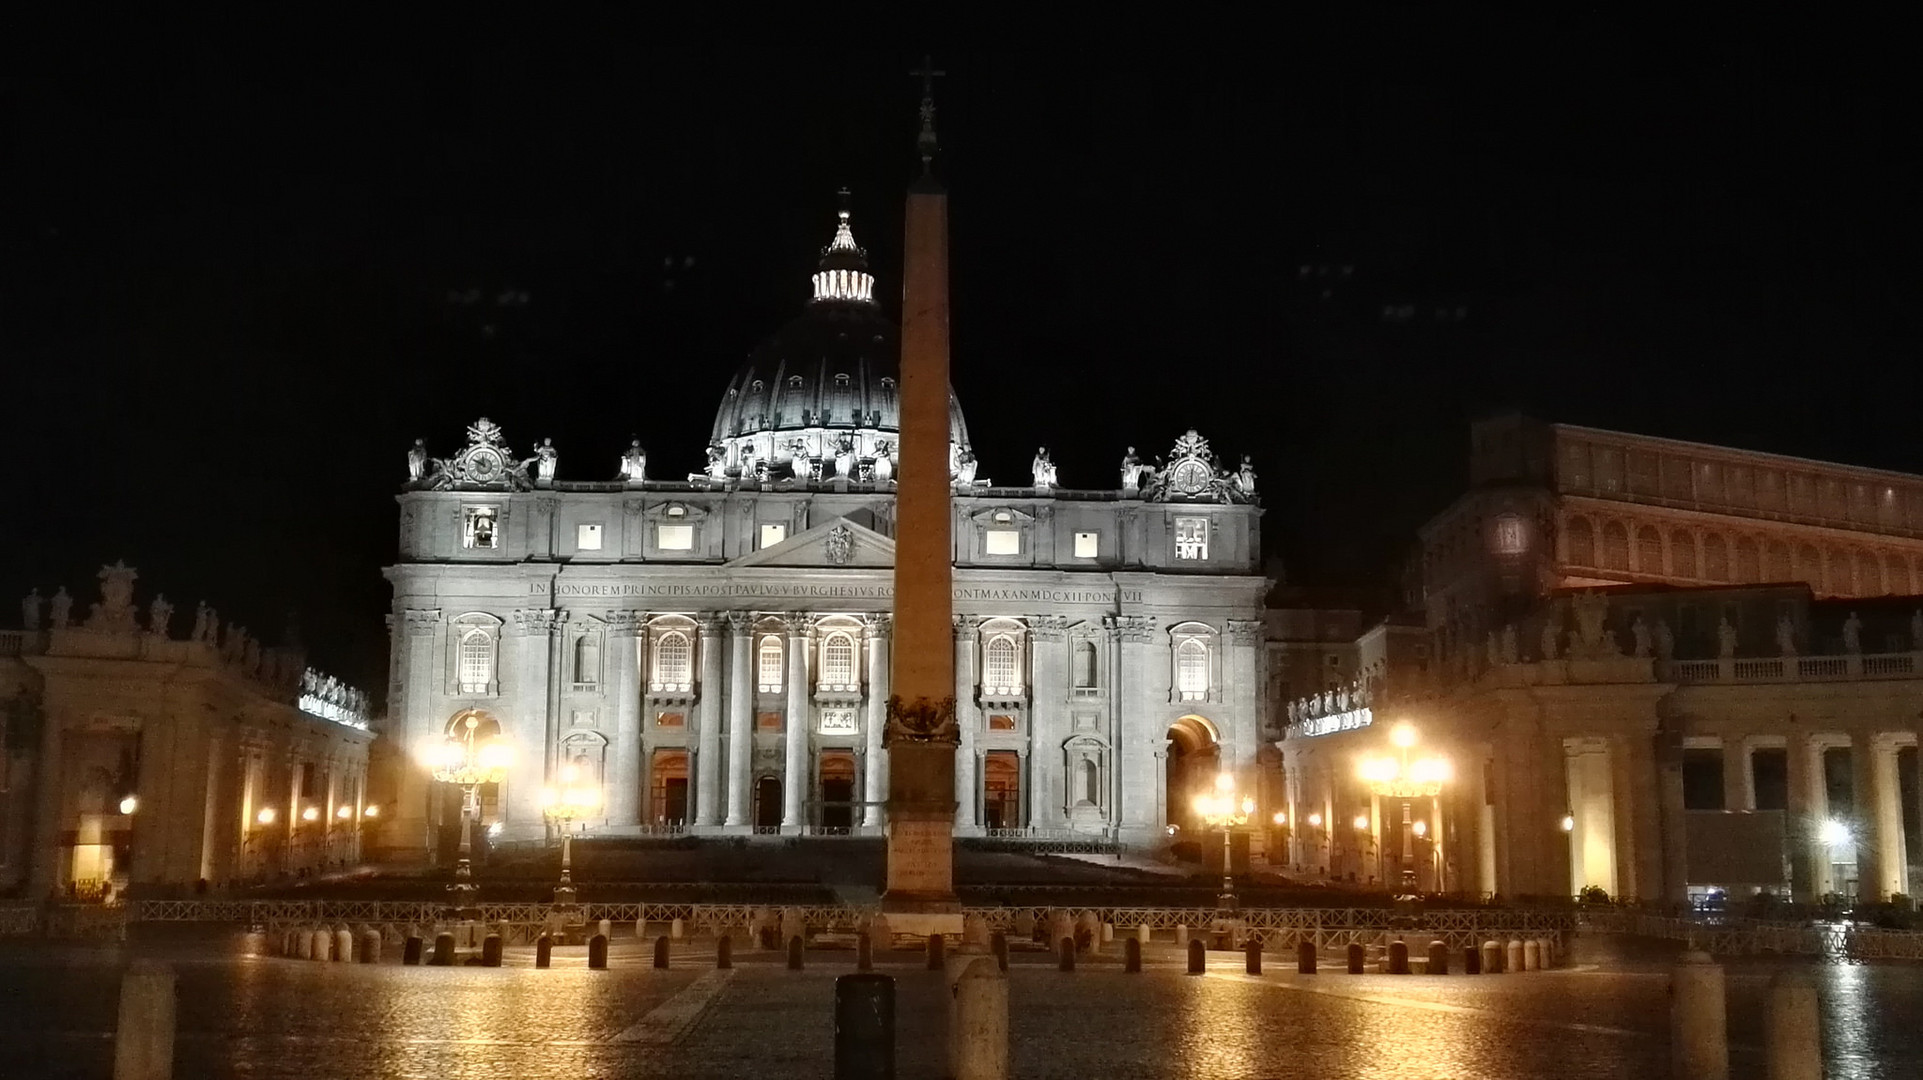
(842, 274)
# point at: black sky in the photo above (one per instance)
(237, 282)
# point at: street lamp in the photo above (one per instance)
(469, 759)
(1404, 779)
(562, 806)
(1222, 810)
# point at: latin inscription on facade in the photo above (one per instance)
(752, 590)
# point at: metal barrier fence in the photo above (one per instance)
(1756, 937)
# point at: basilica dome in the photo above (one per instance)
(823, 387)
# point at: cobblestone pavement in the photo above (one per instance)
(258, 1017)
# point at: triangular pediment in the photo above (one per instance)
(838, 543)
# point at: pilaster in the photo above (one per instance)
(707, 783)
(875, 759)
(1044, 785)
(623, 784)
(794, 784)
(740, 716)
(967, 721)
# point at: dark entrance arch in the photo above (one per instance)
(768, 803)
(1194, 757)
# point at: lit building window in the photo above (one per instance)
(476, 666)
(1192, 670)
(587, 537)
(768, 661)
(1002, 666)
(1086, 545)
(674, 537)
(673, 662)
(1002, 542)
(1509, 538)
(478, 526)
(773, 534)
(837, 662)
(1191, 538)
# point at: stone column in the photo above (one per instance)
(1808, 861)
(1145, 677)
(707, 760)
(1887, 801)
(1872, 825)
(1044, 787)
(49, 777)
(800, 637)
(622, 781)
(967, 718)
(740, 715)
(875, 777)
(557, 677)
(1739, 791)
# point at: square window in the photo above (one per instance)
(1191, 538)
(674, 537)
(587, 537)
(1087, 546)
(1002, 542)
(670, 719)
(998, 722)
(478, 526)
(768, 721)
(773, 534)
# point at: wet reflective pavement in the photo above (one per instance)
(261, 1017)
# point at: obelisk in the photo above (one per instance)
(921, 736)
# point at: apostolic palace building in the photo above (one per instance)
(714, 647)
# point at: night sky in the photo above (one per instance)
(238, 283)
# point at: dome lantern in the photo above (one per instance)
(842, 274)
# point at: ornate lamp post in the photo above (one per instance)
(562, 806)
(468, 759)
(1223, 811)
(1400, 778)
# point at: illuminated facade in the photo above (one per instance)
(715, 647)
(143, 761)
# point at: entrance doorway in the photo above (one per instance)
(1002, 789)
(837, 809)
(668, 788)
(1194, 757)
(768, 804)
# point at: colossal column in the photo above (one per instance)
(921, 733)
(800, 630)
(740, 715)
(967, 786)
(622, 780)
(707, 761)
(874, 779)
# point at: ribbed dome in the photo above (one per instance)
(832, 373)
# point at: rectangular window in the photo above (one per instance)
(1000, 722)
(670, 719)
(1002, 542)
(773, 534)
(587, 537)
(1086, 545)
(768, 721)
(1191, 538)
(478, 526)
(674, 537)
(768, 665)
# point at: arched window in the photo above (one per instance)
(1649, 551)
(1582, 542)
(587, 660)
(1682, 552)
(1084, 665)
(769, 664)
(1716, 558)
(673, 662)
(476, 666)
(838, 661)
(1192, 670)
(1615, 546)
(1749, 563)
(1809, 566)
(1002, 665)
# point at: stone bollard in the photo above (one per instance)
(1792, 1034)
(598, 952)
(411, 951)
(979, 1047)
(937, 952)
(1182, 936)
(1357, 954)
(1438, 958)
(323, 944)
(344, 945)
(661, 953)
(678, 929)
(723, 953)
(1698, 1020)
(1512, 958)
(1198, 957)
(303, 943)
(793, 925)
(370, 947)
(864, 952)
(1305, 957)
(1471, 961)
(1132, 956)
(1143, 934)
(1065, 954)
(796, 947)
(998, 948)
(974, 933)
(1532, 955)
(864, 1027)
(1398, 957)
(1252, 956)
(1025, 924)
(491, 951)
(1491, 958)
(641, 929)
(605, 928)
(544, 951)
(1548, 952)
(1088, 932)
(1108, 932)
(144, 1037)
(444, 949)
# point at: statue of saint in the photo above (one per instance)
(1725, 638)
(965, 465)
(884, 462)
(1043, 469)
(1245, 477)
(61, 608)
(1785, 636)
(417, 460)
(844, 457)
(1853, 635)
(1511, 653)
(634, 464)
(1550, 634)
(159, 614)
(717, 462)
(1131, 471)
(213, 628)
(200, 622)
(1639, 634)
(30, 611)
(545, 459)
(1665, 640)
